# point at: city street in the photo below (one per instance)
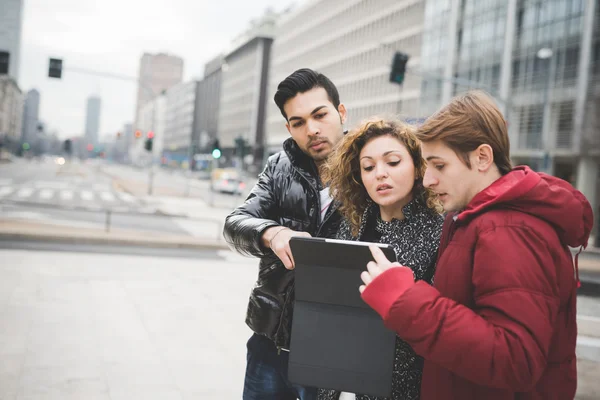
(89, 322)
(81, 195)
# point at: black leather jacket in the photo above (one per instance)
(286, 194)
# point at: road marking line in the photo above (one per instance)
(25, 192)
(5, 191)
(51, 184)
(126, 197)
(66, 195)
(87, 195)
(588, 318)
(588, 341)
(46, 194)
(107, 196)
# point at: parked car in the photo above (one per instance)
(227, 181)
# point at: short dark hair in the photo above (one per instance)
(301, 81)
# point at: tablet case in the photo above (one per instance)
(337, 340)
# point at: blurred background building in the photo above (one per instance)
(179, 123)
(157, 73)
(352, 43)
(31, 116)
(11, 114)
(11, 21)
(540, 60)
(92, 120)
(207, 106)
(243, 89)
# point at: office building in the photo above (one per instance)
(92, 120)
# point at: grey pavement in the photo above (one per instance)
(114, 326)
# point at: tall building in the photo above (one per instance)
(11, 21)
(157, 73)
(352, 43)
(540, 60)
(242, 106)
(31, 114)
(11, 113)
(92, 120)
(207, 106)
(179, 123)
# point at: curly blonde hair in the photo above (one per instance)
(342, 170)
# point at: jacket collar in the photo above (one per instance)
(302, 162)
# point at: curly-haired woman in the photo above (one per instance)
(376, 175)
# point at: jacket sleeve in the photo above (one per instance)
(245, 225)
(504, 339)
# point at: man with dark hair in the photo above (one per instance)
(288, 200)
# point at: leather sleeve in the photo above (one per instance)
(245, 225)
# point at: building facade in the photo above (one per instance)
(11, 113)
(540, 60)
(180, 110)
(242, 108)
(92, 120)
(157, 73)
(11, 21)
(355, 52)
(31, 116)
(207, 106)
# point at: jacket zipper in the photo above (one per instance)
(287, 298)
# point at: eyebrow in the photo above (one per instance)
(434, 158)
(311, 113)
(384, 154)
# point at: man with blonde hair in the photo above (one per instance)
(500, 321)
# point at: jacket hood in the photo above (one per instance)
(544, 196)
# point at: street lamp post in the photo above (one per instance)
(548, 165)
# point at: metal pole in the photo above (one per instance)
(151, 180)
(107, 223)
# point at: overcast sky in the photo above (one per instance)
(110, 36)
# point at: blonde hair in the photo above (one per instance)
(342, 170)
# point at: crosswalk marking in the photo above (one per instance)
(5, 191)
(107, 196)
(46, 194)
(25, 192)
(87, 195)
(66, 195)
(126, 197)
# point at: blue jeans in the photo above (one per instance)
(266, 374)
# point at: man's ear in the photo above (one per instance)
(484, 157)
(342, 111)
(287, 125)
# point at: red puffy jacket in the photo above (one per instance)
(500, 321)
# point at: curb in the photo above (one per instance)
(119, 241)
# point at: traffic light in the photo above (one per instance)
(138, 134)
(148, 144)
(68, 146)
(90, 147)
(398, 67)
(216, 149)
(240, 146)
(4, 62)
(55, 68)
(150, 135)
